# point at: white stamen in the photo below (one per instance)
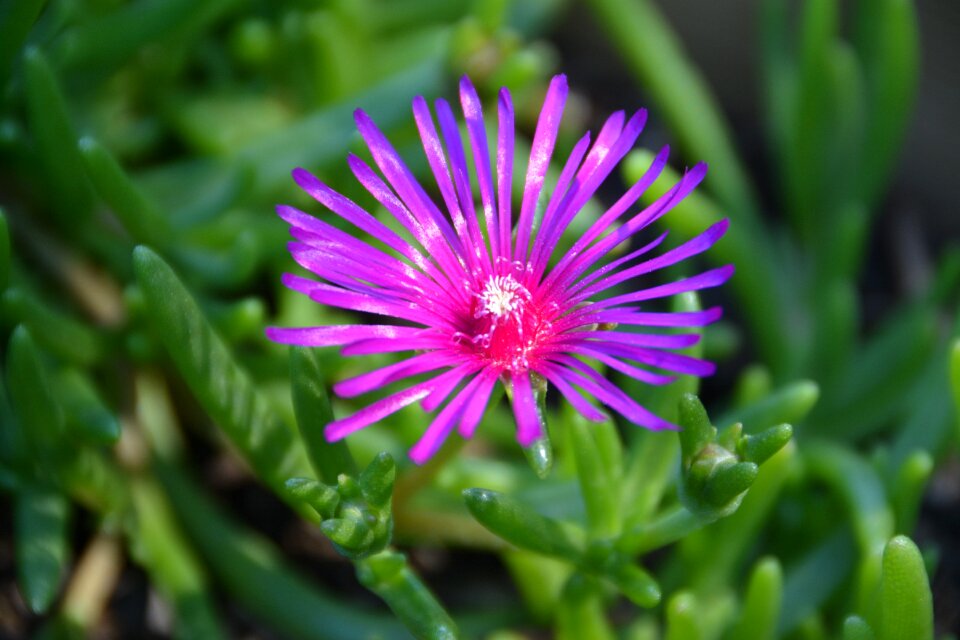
(502, 296)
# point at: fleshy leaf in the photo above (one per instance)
(906, 604)
(256, 575)
(56, 141)
(790, 404)
(758, 448)
(57, 333)
(762, 602)
(39, 415)
(312, 407)
(598, 484)
(856, 628)
(376, 481)
(323, 499)
(683, 618)
(160, 547)
(521, 525)
(41, 520)
(140, 217)
(86, 414)
(5, 254)
(696, 430)
(224, 390)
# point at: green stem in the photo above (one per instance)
(389, 576)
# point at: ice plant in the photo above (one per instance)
(485, 303)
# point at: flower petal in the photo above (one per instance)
(541, 151)
(525, 409)
(333, 335)
(445, 422)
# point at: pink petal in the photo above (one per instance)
(692, 247)
(339, 429)
(473, 114)
(541, 151)
(577, 401)
(441, 427)
(337, 334)
(478, 402)
(505, 170)
(383, 376)
(525, 409)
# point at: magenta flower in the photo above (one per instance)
(481, 304)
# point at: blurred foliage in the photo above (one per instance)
(133, 375)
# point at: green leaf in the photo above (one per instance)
(856, 628)
(908, 488)
(696, 431)
(223, 389)
(93, 481)
(855, 482)
(521, 525)
(730, 482)
(870, 389)
(655, 55)
(131, 27)
(651, 459)
(160, 547)
(322, 498)
(86, 415)
(752, 386)
(389, 576)
(790, 404)
(39, 415)
(57, 333)
(56, 142)
(888, 41)
(955, 380)
(635, 583)
(761, 603)
(273, 155)
(5, 253)
(16, 20)
(804, 175)
(737, 533)
(598, 476)
(352, 534)
(812, 579)
(780, 77)
(376, 481)
(13, 447)
(683, 618)
(929, 419)
(41, 524)
(312, 408)
(139, 216)
(906, 604)
(758, 448)
(256, 576)
(835, 331)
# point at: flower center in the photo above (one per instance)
(502, 296)
(506, 325)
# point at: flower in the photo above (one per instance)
(480, 305)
